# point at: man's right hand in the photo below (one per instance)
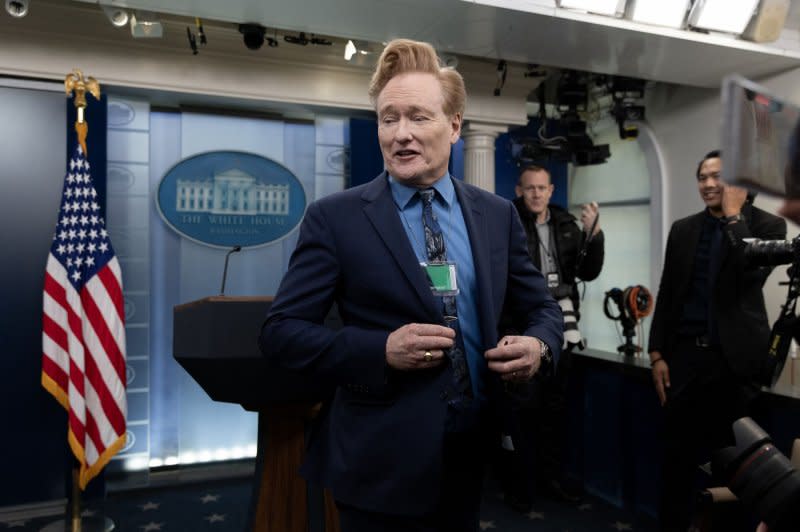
(418, 346)
(660, 375)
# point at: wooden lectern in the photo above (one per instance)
(216, 340)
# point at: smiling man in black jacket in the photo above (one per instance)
(564, 252)
(709, 335)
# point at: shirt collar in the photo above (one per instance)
(546, 219)
(711, 218)
(403, 194)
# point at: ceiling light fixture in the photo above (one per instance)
(670, 13)
(145, 24)
(349, 50)
(722, 15)
(612, 8)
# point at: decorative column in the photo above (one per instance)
(479, 153)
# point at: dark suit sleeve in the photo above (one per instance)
(592, 263)
(666, 291)
(294, 334)
(527, 295)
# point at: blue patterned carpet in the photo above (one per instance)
(222, 506)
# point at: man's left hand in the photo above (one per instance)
(516, 358)
(589, 213)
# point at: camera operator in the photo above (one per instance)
(564, 252)
(709, 333)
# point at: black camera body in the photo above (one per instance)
(760, 476)
(787, 326)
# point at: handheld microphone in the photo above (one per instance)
(235, 249)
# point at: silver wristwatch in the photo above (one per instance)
(547, 356)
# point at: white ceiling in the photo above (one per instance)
(524, 31)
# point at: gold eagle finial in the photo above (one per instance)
(74, 81)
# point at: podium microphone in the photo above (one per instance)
(235, 249)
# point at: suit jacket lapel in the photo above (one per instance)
(381, 211)
(474, 219)
(690, 240)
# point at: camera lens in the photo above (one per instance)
(760, 476)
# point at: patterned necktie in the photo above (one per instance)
(435, 249)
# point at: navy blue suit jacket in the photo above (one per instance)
(378, 441)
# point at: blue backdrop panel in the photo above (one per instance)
(365, 154)
(366, 160)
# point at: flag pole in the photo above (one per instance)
(75, 82)
(76, 501)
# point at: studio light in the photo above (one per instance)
(145, 24)
(722, 15)
(670, 13)
(612, 8)
(349, 50)
(628, 111)
(116, 15)
(253, 35)
(17, 8)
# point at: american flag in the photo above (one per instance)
(83, 327)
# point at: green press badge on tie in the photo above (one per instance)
(442, 277)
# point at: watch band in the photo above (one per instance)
(735, 218)
(547, 356)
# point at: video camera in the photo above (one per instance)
(760, 142)
(773, 253)
(761, 133)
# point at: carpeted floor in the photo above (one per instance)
(222, 506)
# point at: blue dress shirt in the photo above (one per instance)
(447, 210)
